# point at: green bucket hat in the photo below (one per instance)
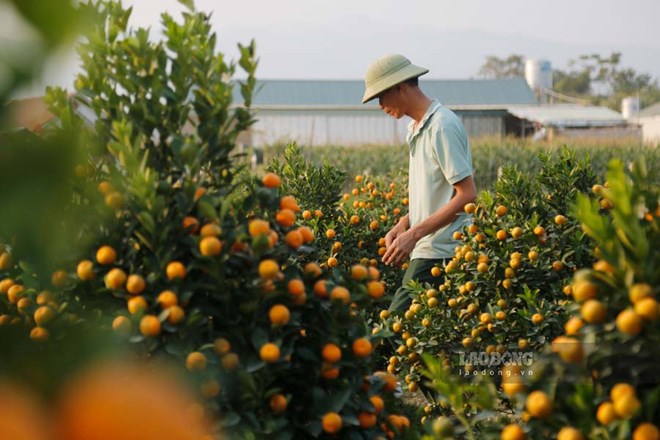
(387, 72)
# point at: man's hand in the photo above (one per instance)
(397, 230)
(400, 248)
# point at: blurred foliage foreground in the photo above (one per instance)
(152, 288)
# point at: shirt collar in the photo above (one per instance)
(433, 107)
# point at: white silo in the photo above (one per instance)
(630, 107)
(538, 74)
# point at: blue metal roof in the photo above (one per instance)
(319, 93)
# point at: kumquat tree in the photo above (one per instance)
(153, 285)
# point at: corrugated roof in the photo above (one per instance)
(568, 115)
(652, 110)
(343, 93)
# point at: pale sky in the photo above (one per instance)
(337, 39)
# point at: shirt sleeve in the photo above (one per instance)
(453, 152)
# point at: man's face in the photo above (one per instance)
(391, 103)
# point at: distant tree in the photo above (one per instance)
(597, 78)
(607, 82)
(494, 67)
(574, 83)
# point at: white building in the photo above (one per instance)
(330, 112)
(649, 119)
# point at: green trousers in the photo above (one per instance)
(420, 271)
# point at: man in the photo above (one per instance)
(440, 172)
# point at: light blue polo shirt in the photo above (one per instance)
(439, 157)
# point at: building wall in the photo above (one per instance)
(651, 129)
(349, 127)
(629, 132)
(479, 125)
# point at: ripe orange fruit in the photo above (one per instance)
(569, 349)
(190, 224)
(210, 246)
(175, 269)
(39, 334)
(271, 180)
(359, 272)
(569, 433)
(340, 293)
(5, 285)
(136, 304)
(329, 371)
(331, 353)
(517, 232)
(15, 293)
(115, 279)
(279, 314)
(210, 230)
(646, 431)
(378, 402)
(320, 289)
(539, 231)
(331, 423)
(289, 202)
(258, 227)
(93, 406)
(85, 270)
(367, 420)
(312, 271)
(221, 346)
(210, 388)
(230, 361)
(626, 406)
(639, 291)
(389, 380)
(307, 234)
(307, 214)
(104, 187)
(285, 217)
(177, 314)
(294, 239)
(278, 403)
(375, 289)
(362, 347)
(199, 193)
(150, 325)
(269, 353)
(560, 220)
(537, 318)
(268, 269)
(501, 210)
(584, 290)
(59, 278)
(512, 432)
(573, 326)
(43, 315)
(296, 287)
(647, 308)
(470, 208)
(538, 405)
(333, 262)
(605, 413)
(135, 284)
(121, 325)
(557, 266)
(106, 255)
(621, 389)
(167, 299)
(629, 322)
(593, 311)
(196, 361)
